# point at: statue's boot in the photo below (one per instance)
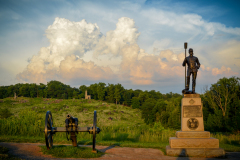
(188, 81)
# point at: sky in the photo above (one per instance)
(139, 44)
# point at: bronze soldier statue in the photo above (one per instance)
(193, 66)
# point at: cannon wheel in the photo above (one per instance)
(94, 130)
(48, 130)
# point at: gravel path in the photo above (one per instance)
(31, 151)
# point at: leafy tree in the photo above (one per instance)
(10, 91)
(82, 89)
(55, 89)
(2, 92)
(69, 91)
(174, 110)
(118, 92)
(221, 94)
(40, 91)
(33, 90)
(24, 90)
(143, 96)
(110, 92)
(215, 121)
(137, 92)
(101, 90)
(147, 111)
(127, 96)
(93, 91)
(135, 102)
(117, 95)
(160, 109)
(221, 97)
(45, 93)
(75, 93)
(155, 95)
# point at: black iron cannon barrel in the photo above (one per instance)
(71, 126)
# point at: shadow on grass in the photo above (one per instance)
(85, 142)
(235, 143)
(63, 151)
(109, 147)
(4, 153)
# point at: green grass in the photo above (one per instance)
(127, 129)
(62, 151)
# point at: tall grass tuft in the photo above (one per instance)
(27, 123)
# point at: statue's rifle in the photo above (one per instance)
(185, 46)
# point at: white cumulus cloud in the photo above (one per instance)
(71, 43)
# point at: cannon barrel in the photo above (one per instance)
(69, 116)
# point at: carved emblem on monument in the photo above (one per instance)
(192, 123)
(191, 101)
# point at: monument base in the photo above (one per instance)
(175, 142)
(195, 134)
(195, 152)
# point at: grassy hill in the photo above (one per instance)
(22, 120)
(82, 109)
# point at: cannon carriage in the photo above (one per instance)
(71, 127)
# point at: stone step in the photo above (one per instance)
(193, 142)
(195, 152)
(194, 134)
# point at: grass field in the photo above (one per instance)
(26, 117)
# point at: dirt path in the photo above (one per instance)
(31, 151)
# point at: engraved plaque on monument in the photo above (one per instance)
(192, 111)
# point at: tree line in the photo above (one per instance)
(221, 102)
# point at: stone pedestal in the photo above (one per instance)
(192, 140)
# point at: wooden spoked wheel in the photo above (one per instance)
(48, 130)
(94, 130)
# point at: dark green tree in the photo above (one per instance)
(93, 91)
(101, 90)
(118, 92)
(143, 96)
(127, 96)
(110, 89)
(221, 96)
(117, 95)
(147, 111)
(135, 103)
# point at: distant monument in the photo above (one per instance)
(87, 96)
(192, 140)
(15, 95)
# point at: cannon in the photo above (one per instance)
(71, 127)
